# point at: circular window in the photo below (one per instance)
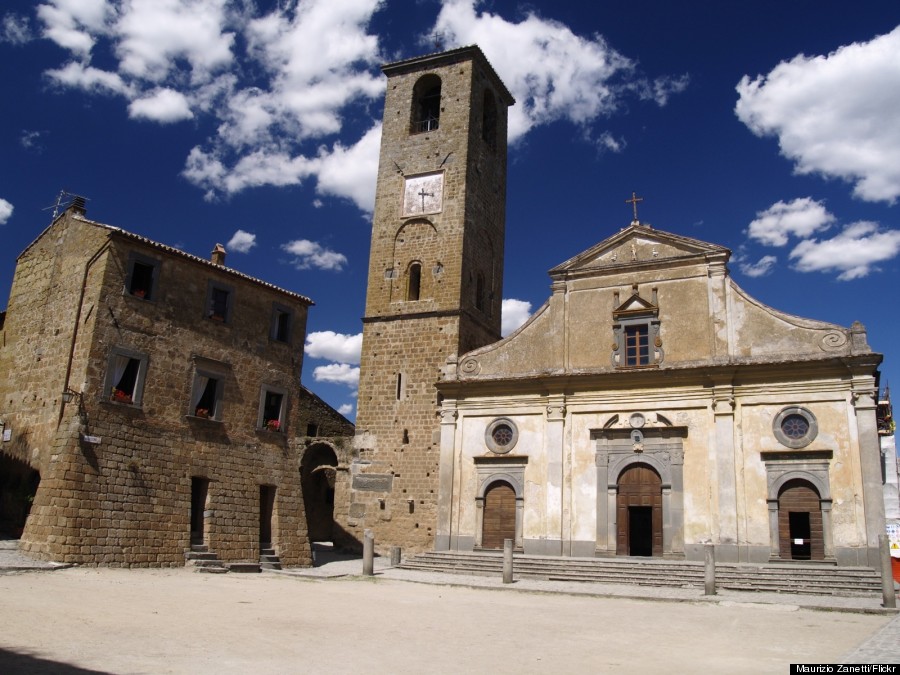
(501, 436)
(795, 427)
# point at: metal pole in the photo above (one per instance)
(368, 553)
(889, 598)
(507, 561)
(709, 580)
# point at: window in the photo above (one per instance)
(501, 436)
(489, 120)
(272, 409)
(206, 397)
(415, 282)
(637, 351)
(312, 429)
(479, 292)
(282, 320)
(636, 331)
(143, 273)
(125, 374)
(795, 427)
(426, 113)
(219, 300)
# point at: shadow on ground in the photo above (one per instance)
(25, 662)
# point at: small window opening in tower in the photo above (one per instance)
(426, 104)
(405, 436)
(415, 281)
(489, 120)
(399, 386)
(479, 292)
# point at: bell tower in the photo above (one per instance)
(435, 279)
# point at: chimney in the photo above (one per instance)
(78, 205)
(218, 255)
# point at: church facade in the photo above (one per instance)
(650, 407)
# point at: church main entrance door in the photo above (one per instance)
(639, 512)
(499, 515)
(800, 532)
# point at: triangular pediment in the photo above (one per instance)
(639, 245)
(635, 304)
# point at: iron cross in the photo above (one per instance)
(634, 202)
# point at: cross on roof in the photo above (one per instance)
(634, 202)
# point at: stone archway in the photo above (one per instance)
(317, 478)
(18, 486)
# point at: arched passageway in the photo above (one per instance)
(18, 486)
(317, 476)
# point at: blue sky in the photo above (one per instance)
(768, 127)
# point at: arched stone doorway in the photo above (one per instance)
(18, 486)
(800, 528)
(317, 476)
(499, 520)
(639, 512)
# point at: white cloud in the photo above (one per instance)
(853, 252)
(351, 172)
(801, 218)
(337, 373)
(553, 73)
(513, 314)
(93, 80)
(153, 35)
(333, 346)
(346, 409)
(241, 242)
(308, 254)
(760, 268)
(16, 29)
(70, 23)
(162, 105)
(835, 114)
(6, 210)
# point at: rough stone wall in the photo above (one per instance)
(312, 410)
(406, 341)
(127, 499)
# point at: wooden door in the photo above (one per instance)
(639, 512)
(800, 534)
(499, 515)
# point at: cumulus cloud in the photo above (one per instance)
(6, 210)
(346, 409)
(834, 114)
(333, 346)
(241, 242)
(337, 373)
(92, 80)
(15, 29)
(800, 217)
(760, 268)
(553, 73)
(854, 252)
(513, 314)
(308, 254)
(163, 105)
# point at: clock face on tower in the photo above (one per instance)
(423, 194)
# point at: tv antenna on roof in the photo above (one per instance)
(438, 39)
(63, 197)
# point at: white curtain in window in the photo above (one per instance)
(120, 363)
(199, 387)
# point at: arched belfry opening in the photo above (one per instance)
(426, 108)
(414, 282)
(317, 477)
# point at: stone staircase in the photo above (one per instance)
(204, 560)
(809, 578)
(269, 560)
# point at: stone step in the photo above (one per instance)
(199, 548)
(243, 567)
(212, 569)
(198, 555)
(774, 577)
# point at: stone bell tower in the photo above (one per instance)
(435, 279)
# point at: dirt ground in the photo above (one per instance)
(178, 621)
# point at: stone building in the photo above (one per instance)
(150, 401)
(648, 408)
